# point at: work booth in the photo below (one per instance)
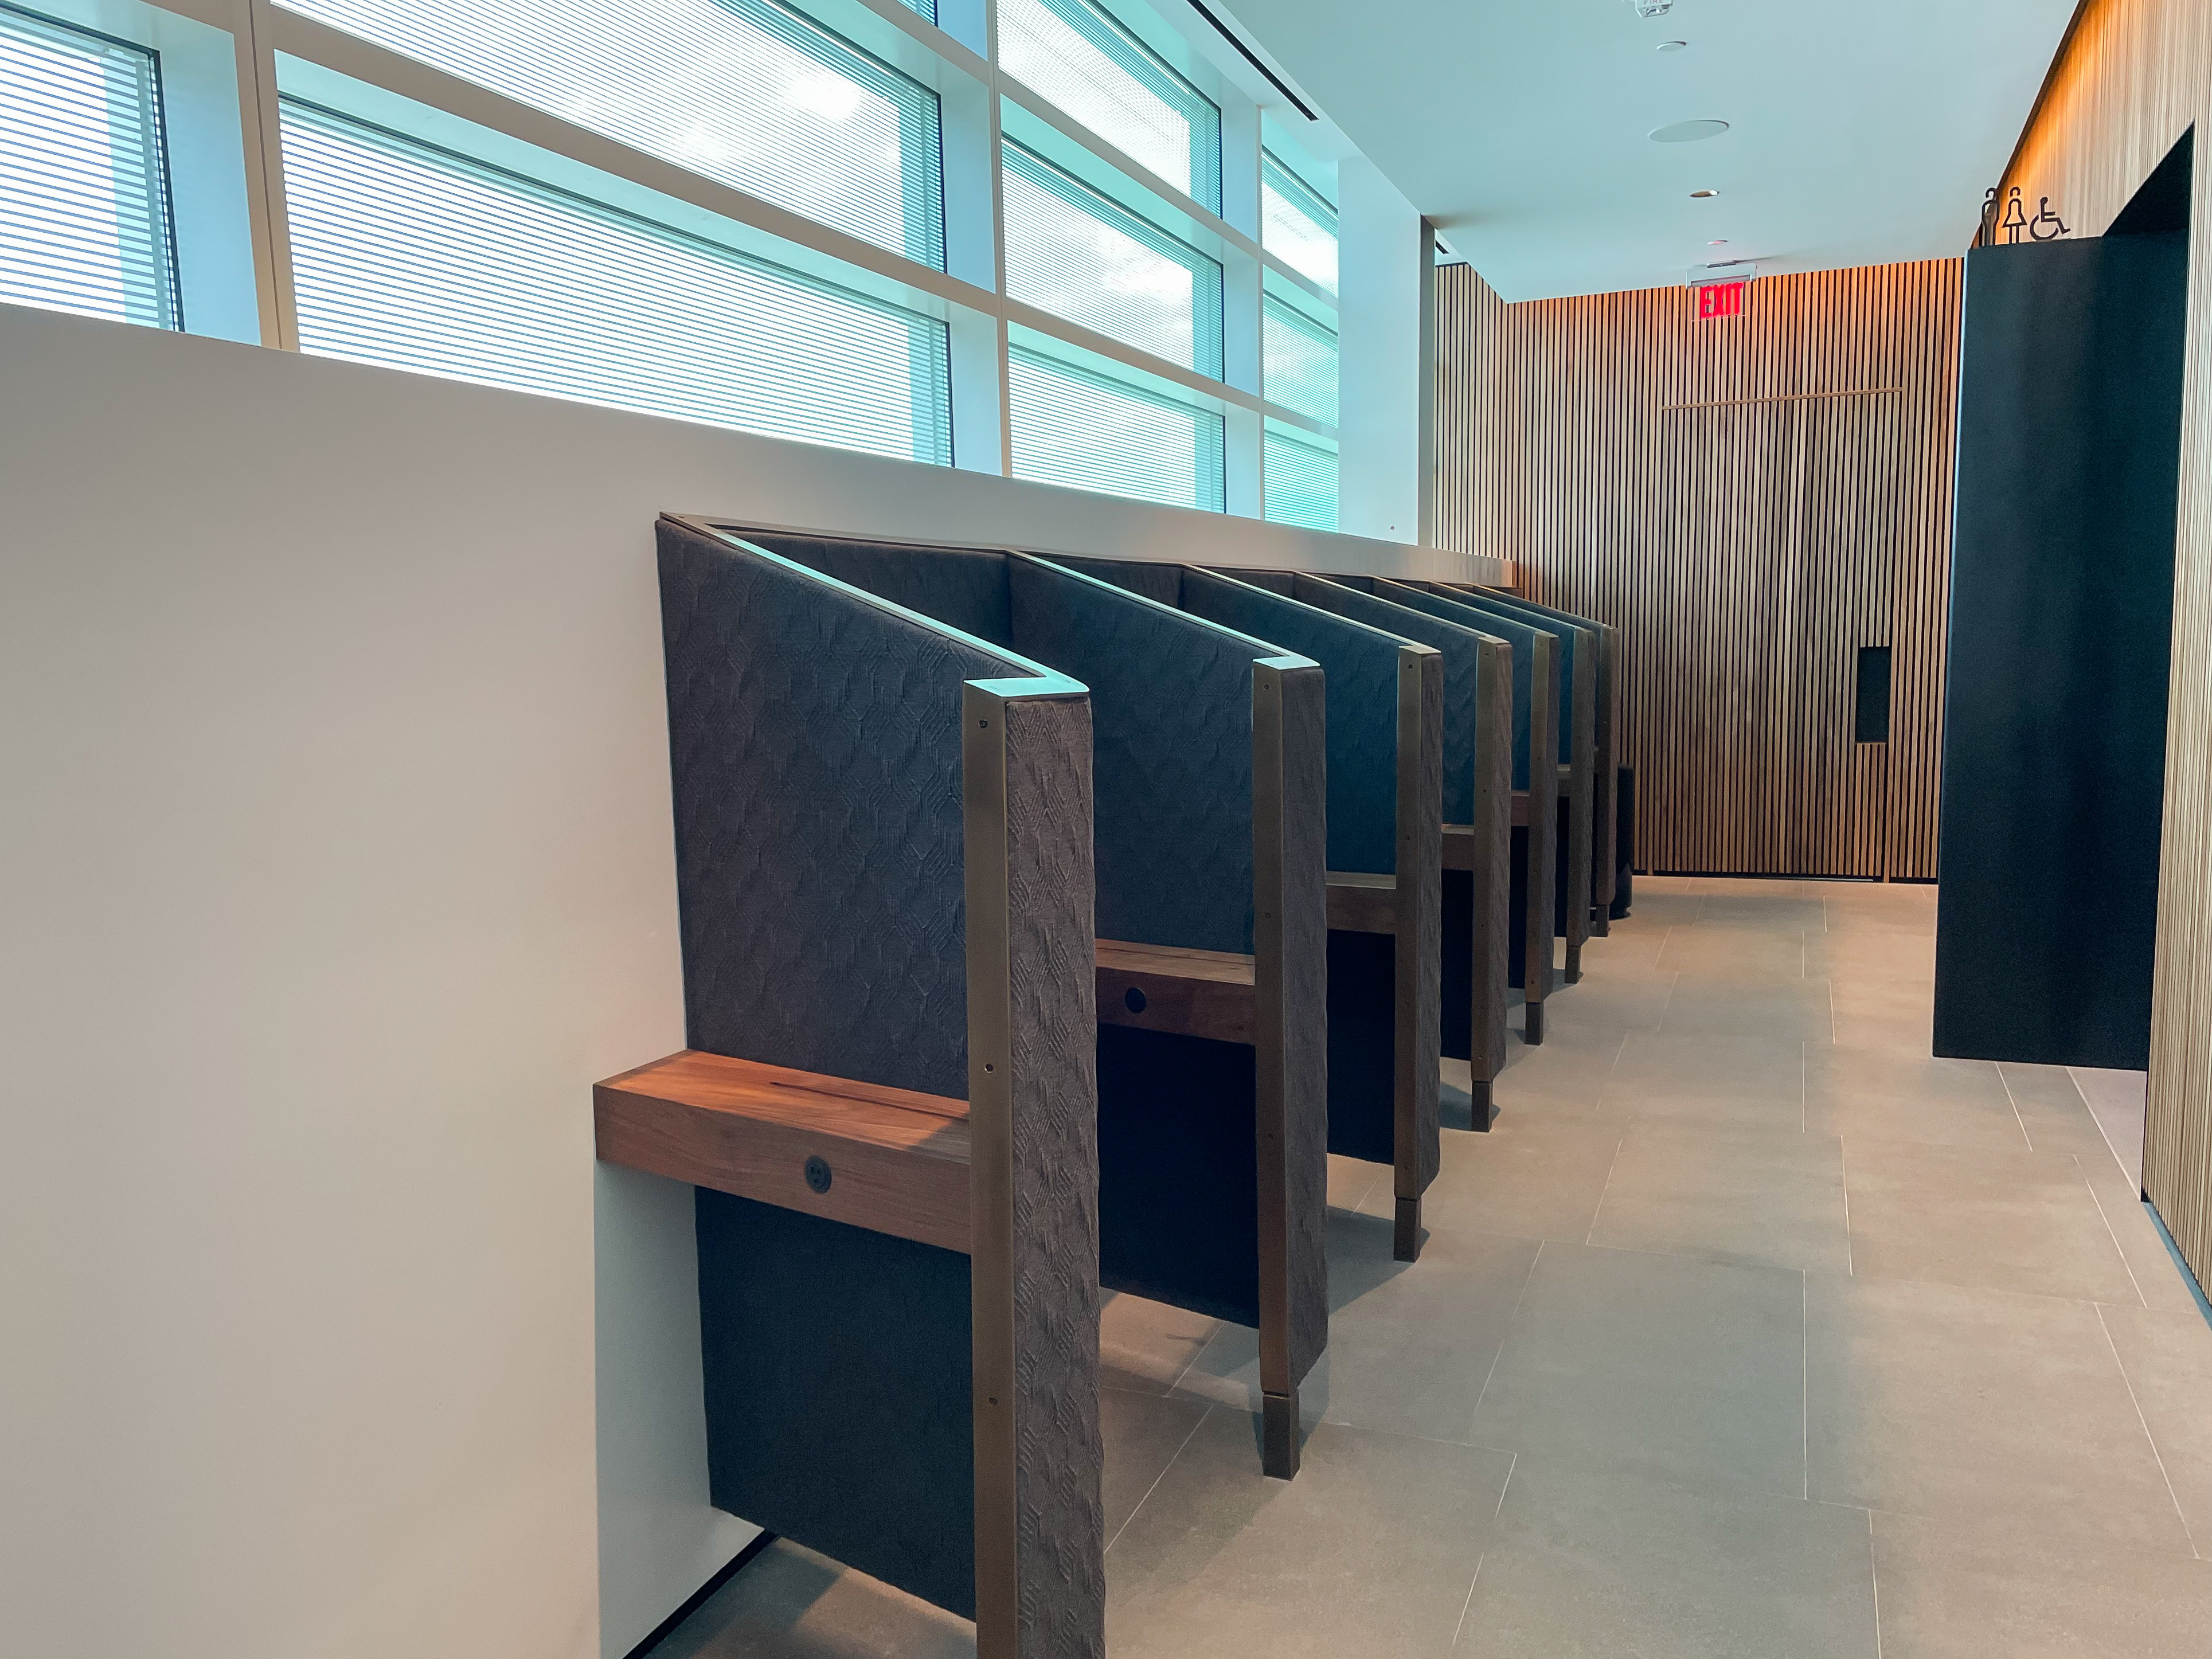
(1384, 791)
(1211, 961)
(888, 1104)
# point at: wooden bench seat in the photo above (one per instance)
(1163, 987)
(1361, 902)
(897, 1160)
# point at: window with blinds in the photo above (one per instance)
(411, 256)
(1077, 254)
(1298, 360)
(84, 209)
(1295, 224)
(1300, 480)
(1073, 427)
(1077, 56)
(747, 92)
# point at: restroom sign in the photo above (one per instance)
(1718, 300)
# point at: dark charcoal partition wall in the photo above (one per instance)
(828, 870)
(1179, 864)
(2061, 604)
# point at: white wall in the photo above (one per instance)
(335, 866)
(1383, 254)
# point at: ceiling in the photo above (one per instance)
(1858, 133)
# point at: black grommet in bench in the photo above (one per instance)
(817, 1173)
(1134, 1000)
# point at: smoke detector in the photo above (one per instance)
(1652, 8)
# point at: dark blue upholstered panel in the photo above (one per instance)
(843, 1421)
(962, 587)
(1171, 712)
(1461, 647)
(1160, 583)
(815, 746)
(1361, 666)
(1571, 640)
(1363, 1030)
(1519, 634)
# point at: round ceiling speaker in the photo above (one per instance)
(1687, 132)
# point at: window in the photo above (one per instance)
(1071, 252)
(1073, 427)
(745, 92)
(414, 257)
(1301, 480)
(1080, 59)
(1295, 224)
(1298, 358)
(84, 210)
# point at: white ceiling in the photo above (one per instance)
(1862, 131)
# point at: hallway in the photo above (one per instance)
(1749, 1331)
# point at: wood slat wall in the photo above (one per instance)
(2134, 75)
(1749, 501)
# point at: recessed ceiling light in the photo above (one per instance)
(1718, 241)
(1671, 46)
(1703, 195)
(1687, 132)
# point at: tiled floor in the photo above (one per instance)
(1751, 1331)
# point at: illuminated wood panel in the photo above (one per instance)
(2133, 77)
(1749, 501)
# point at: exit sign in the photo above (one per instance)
(1717, 300)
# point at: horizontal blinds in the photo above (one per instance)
(1074, 253)
(1077, 56)
(745, 92)
(84, 212)
(925, 8)
(1295, 225)
(1071, 427)
(1299, 361)
(411, 256)
(1301, 482)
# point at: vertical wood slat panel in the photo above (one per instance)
(1748, 501)
(2134, 75)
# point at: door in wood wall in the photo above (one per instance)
(1780, 546)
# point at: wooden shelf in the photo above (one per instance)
(898, 1160)
(1360, 902)
(1160, 988)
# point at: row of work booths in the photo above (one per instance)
(1047, 923)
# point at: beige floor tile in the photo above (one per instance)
(1873, 957)
(1887, 1095)
(1662, 1365)
(1585, 1565)
(1797, 1009)
(1784, 907)
(1409, 1343)
(1632, 946)
(1771, 1196)
(1532, 1176)
(1349, 1179)
(2167, 1358)
(1902, 1034)
(1369, 1551)
(1693, 1077)
(1144, 1345)
(1949, 1592)
(1728, 953)
(1565, 1075)
(1653, 906)
(794, 1604)
(1994, 1220)
(2006, 1410)
(1143, 1432)
(1609, 1000)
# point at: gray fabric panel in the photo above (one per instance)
(1305, 1007)
(1171, 705)
(1284, 582)
(1420, 887)
(962, 587)
(1462, 653)
(1361, 664)
(815, 751)
(1492, 874)
(1061, 1535)
(1160, 583)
